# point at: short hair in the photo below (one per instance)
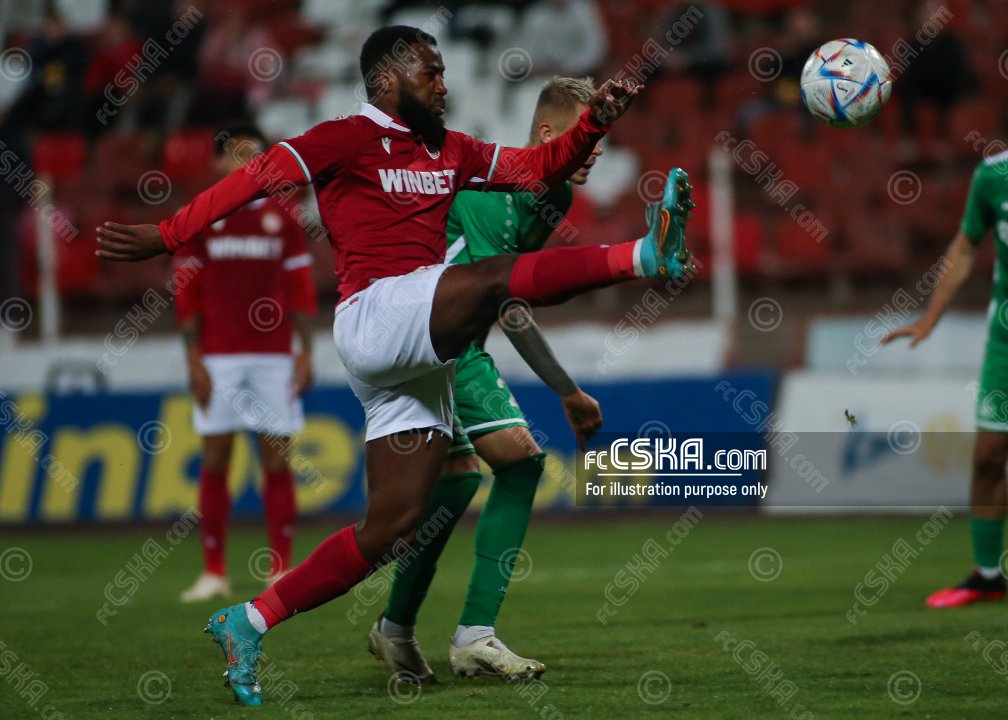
(561, 95)
(224, 139)
(388, 42)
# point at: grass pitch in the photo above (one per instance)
(744, 617)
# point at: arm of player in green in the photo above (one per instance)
(530, 343)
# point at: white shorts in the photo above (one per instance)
(382, 334)
(252, 392)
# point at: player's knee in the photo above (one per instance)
(458, 464)
(989, 465)
(383, 537)
(495, 278)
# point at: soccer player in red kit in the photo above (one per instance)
(384, 180)
(253, 284)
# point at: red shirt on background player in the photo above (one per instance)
(249, 283)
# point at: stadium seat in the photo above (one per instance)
(188, 154)
(671, 97)
(325, 61)
(339, 99)
(794, 253)
(60, 157)
(76, 264)
(284, 118)
(118, 161)
(969, 122)
(875, 243)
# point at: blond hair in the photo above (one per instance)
(559, 99)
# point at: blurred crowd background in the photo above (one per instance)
(95, 95)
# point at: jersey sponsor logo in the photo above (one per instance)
(387, 144)
(244, 247)
(418, 182)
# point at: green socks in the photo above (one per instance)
(414, 572)
(988, 541)
(499, 534)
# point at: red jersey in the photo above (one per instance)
(242, 276)
(382, 194)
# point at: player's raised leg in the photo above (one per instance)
(988, 501)
(469, 298)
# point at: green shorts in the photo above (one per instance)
(992, 395)
(483, 402)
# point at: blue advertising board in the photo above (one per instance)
(110, 457)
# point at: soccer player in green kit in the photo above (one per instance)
(490, 423)
(986, 208)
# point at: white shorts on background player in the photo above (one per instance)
(382, 334)
(253, 391)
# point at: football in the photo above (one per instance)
(845, 83)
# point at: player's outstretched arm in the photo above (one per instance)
(583, 412)
(275, 171)
(959, 259)
(553, 162)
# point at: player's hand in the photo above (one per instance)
(612, 100)
(916, 332)
(199, 382)
(583, 414)
(303, 374)
(130, 243)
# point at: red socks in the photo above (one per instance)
(552, 276)
(278, 502)
(334, 567)
(214, 507)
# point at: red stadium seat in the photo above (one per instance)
(77, 266)
(876, 243)
(795, 253)
(60, 156)
(188, 154)
(973, 124)
(118, 161)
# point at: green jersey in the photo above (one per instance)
(484, 224)
(986, 208)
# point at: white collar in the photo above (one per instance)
(380, 118)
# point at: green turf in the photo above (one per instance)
(666, 630)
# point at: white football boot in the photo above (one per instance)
(489, 656)
(402, 655)
(207, 585)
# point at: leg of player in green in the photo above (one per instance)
(500, 534)
(987, 488)
(988, 495)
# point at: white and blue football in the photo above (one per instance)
(846, 83)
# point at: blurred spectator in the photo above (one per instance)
(939, 75)
(237, 60)
(117, 47)
(165, 99)
(563, 37)
(799, 37)
(704, 50)
(52, 97)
